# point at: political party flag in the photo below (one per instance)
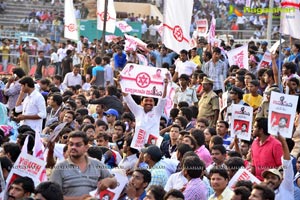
(71, 29)
(212, 31)
(38, 152)
(123, 26)
(290, 18)
(110, 17)
(176, 23)
(239, 57)
(275, 46)
(134, 41)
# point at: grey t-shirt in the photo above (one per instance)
(76, 183)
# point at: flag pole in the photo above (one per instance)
(279, 63)
(104, 26)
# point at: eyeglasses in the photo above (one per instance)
(75, 144)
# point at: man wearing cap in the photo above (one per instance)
(152, 156)
(111, 116)
(263, 110)
(209, 103)
(281, 184)
(185, 93)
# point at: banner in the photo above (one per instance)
(202, 27)
(177, 21)
(170, 94)
(242, 174)
(110, 17)
(143, 80)
(290, 18)
(71, 29)
(281, 116)
(26, 165)
(265, 61)
(241, 121)
(239, 57)
(123, 26)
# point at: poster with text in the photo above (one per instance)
(202, 27)
(242, 174)
(282, 111)
(143, 80)
(266, 60)
(241, 121)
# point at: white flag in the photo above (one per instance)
(111, 16)
(71, 30)
(290, 18)
(212, 31)
(123, 26)
(239, 57)
(177, 21)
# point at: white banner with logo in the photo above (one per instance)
(143, 80)
(110, 17)
(177, 21)
(241, 121)
(71, 29)
(290, 18)
(282, 112)
(239, 57)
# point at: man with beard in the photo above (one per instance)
(22, 187)
(79, 174)
(282, 185)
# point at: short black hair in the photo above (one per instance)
(27, 183)
(262, 123)
(220, 148)
(221, 171)
(95, 152)
(146, 174)
(80, 134)
(19, 72)
(174, 193)
(187, 112)
(50, 190)
(27, 80)
(243, 191)
(13, 149)
(224, 122)
(193, 166)
(120, 123)
(199, 136)
(267, 193)
(157, 191)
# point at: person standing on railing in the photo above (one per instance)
(5, 54)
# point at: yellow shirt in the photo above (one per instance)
(196, 60)
(226, 195)
(254, 102)
(5, 52)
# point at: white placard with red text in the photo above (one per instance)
(143, 80)
(266, 60)
(241, 121)
(281, 116)
(242, 174)
(202, 27)
(28, 165)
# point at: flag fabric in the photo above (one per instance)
(239, 57)
(177, 21)
(134, 42)
(38, 152)
(290, 18)
(142, 59)
(71, 29)
(123, 26)
(212, 31)
(111, 16)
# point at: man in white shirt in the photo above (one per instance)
(54, 59)
(184, 66)
(33, 107)
(109, 73)
(73, 78)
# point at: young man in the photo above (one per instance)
(98, 73)
(138, 182)
(262, 192)
(253, 98)
(73, 78)
(170, 146)
(184, 66)
(79, 168)
(222, 130)
(264, 142)
(219, 179)
(218, 154)
(22, 187)
(184, 92)
(192, 170)
(33, 107)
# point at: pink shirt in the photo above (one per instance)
(204, 155)
(266, 156)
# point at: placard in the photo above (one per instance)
(242, 174)
(281, 116)
(241, 121)
(143, 80)
(202, 27)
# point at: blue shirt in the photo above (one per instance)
(97, 68)
(120, 61)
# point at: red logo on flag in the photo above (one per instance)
(71, 27)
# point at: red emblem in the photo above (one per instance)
(71, 27)
(143, 80)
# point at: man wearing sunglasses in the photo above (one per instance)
(79, 174)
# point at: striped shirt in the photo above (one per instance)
(73, 181)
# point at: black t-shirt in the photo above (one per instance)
(40, 64)
(66, 65)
